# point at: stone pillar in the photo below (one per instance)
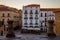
(50, 31)
(10, 29)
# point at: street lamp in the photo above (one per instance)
(10, 29)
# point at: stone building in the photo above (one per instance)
(57, 21)
(36, 18)
(8, 13)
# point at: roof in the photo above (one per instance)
(6, 8)
(50, 9)
(32, 5)
(44, 9)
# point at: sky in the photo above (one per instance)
(20, 3)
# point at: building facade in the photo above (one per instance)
(36, 18)
(6, 14)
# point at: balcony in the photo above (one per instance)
(31, 12)
(25, 26)
(25, 23)
(31, 26)
(36, 12)
(26, 18)
(36, 26)
(31, 23)
(36, 23)
(51, 21)
(31, 18)
(25, 12)
(36, 17)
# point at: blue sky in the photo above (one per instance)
(20, 3)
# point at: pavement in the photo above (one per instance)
(20, 36)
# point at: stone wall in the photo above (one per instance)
(57, 23)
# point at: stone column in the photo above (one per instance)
(50, 31)
(10, 29)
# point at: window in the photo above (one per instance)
(31, 26)
(25, 18)
(25, 26)
(31, 12)
(45, 24)
(36, 12)
(31, 23)
(45, 14)
(41, 29)
(41, 25)
(41, 15)
(8, 19)
(36, 16)
(3, 20)
(36, 23)
(45, 19)
(25, 12)
(31, 17)
(8, 15)
(3, 15)
(25, 15)
(25, 23)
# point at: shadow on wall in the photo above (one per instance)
(17, 28)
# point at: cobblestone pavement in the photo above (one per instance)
(20, 36)
(30, 37)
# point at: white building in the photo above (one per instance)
(35, 18)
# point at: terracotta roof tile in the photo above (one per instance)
(50, 9)
(32, 5)
(6, 8)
